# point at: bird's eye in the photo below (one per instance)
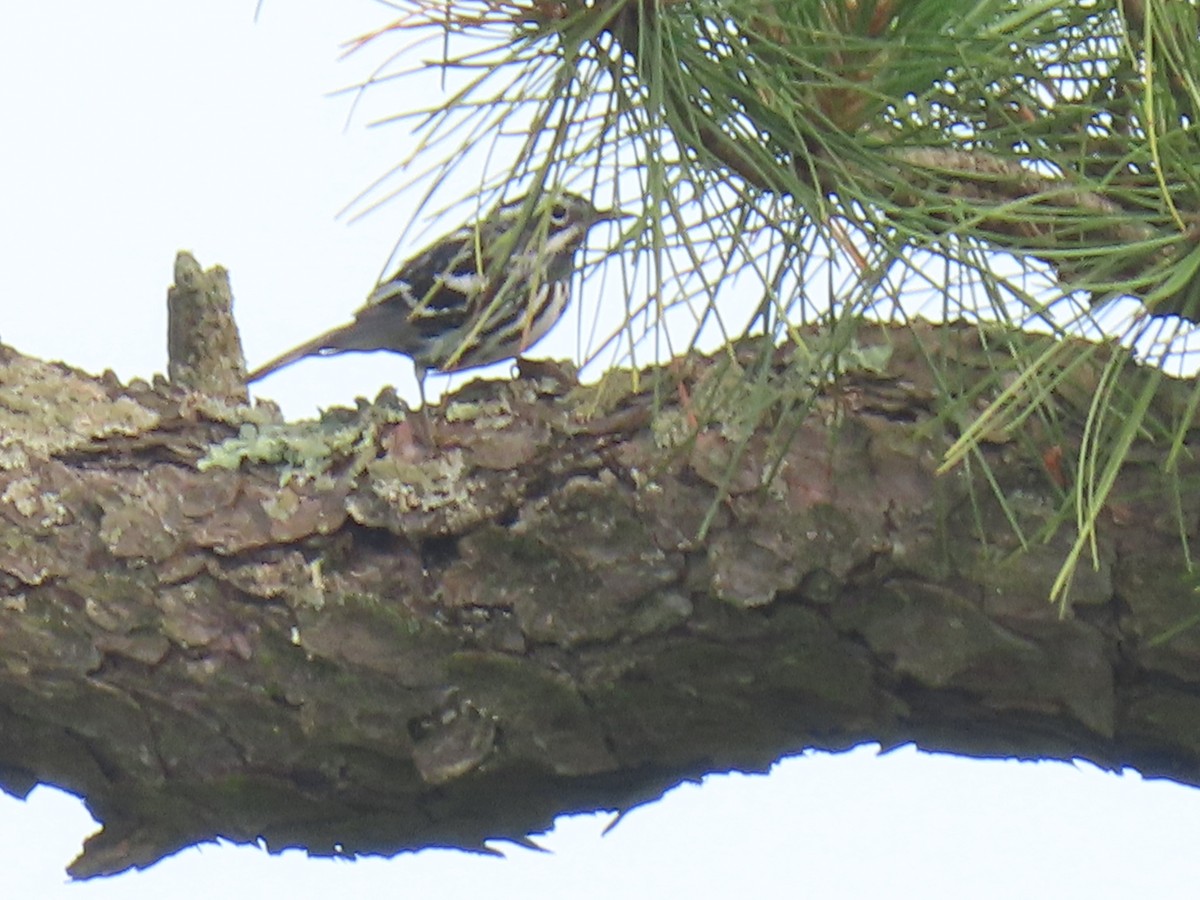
(559, 215)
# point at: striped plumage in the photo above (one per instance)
(482, 294)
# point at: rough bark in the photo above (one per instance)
(385, 631)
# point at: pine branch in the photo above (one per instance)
(381, 632)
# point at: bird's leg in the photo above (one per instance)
(421, 372)
(421, 424)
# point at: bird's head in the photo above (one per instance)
(542, 232)
(562, 222)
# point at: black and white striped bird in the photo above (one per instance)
(484, 293)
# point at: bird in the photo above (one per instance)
(484, 293)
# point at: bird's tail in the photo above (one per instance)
(323, 344)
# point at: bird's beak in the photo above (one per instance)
(614, 215)
(618, 215)
(625, 221)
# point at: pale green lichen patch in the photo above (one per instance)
(432, 484)
(25, 558)
(492, 412)
(733, 402)
(42, 508)
(830, 354)
(27, 561)
(302, 450)
(46, 409)
(720, 395)
(230, 410)
(435, 496)
(308, 450)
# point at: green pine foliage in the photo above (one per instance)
(1034, 163)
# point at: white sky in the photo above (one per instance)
(136, 128)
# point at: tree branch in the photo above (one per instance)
(383, 631)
